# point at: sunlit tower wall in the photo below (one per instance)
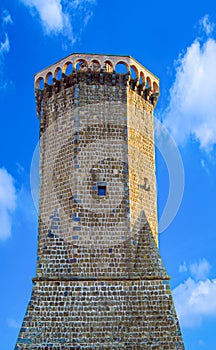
(100, 282)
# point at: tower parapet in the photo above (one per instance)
(103, 69)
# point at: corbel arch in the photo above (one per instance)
(67, 68)
(80, 64)
(148, 83)
(95, 65)
(49, 78)
(134, 72)
(142, 79)
(39, 84)
(155, 87)
(122, 67)
(108, 66)
(58, 73)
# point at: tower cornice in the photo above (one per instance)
(74, 58)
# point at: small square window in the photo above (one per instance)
(101, 190)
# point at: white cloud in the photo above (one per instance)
(50, 12)
(4, 43)
(200, 270)
(195, 297)
(77, 3)
(191, 110)
(4, 46)
(183, 267)
(6, 18)
(84, 7)
(203, 163)
(194, 301)
(60, 16)
(206, 25)
(7, 203)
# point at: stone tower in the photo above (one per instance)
(100, 282)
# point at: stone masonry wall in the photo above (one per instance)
(83, 144)
(101, 315)
(100, 281)
(125, 313)
(141, 160)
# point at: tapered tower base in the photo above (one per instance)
(130, 313)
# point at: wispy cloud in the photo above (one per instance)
(78, 3)
(191, 110)
(62, 17)
(50, 12)
(5, 20)
(195, 297)
(183, 267)
(199, 270)
(4, 46)
(16, 205)
(8, 199)
(4, 40)
(6, 17)
(206, 25)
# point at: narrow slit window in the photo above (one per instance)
(101, 191)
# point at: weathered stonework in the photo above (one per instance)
(100, 281)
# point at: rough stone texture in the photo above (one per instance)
(100, 281)
(101, 315)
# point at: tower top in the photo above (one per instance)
(98, 62)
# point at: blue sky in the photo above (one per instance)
(177, 42)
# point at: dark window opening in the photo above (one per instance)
(101, 190)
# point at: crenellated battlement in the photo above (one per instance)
(98, 69)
